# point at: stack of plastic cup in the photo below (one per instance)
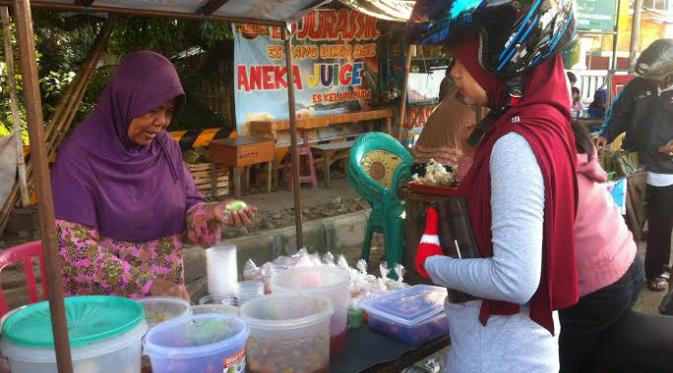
(217, 304)
(248, 290)
(222, 270)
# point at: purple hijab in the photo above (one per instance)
(103, 180)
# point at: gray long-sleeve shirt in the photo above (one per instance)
(507, 343)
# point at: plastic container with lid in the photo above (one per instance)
(413, 315)
(288, 333)
(215, 308)
(229, 299)
(205, 343)
(327, 281)
(162, 309)
(104, 332)
(248, 290)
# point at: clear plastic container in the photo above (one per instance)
(229, 299)
(104, 332)
(288, 333)
(162, 309)
(206, 343)
(327, 281)
(413, 335)
(413, 315)
(216, 308)
(248, 290)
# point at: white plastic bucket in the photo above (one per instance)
(288, 333)
(122, 352)
(326, 281)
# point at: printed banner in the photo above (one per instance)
(596, 14)
(335, 66)
(418, 115)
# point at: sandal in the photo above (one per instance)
(658, 283)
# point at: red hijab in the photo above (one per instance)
(544, 121)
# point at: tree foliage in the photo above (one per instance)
(64, 39)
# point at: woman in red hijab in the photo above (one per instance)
(521, 188)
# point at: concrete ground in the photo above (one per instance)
(282, 198)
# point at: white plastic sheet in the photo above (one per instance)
(7, 166)
(267, 10)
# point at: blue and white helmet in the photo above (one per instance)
(515, 35)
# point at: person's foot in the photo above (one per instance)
(658, 283)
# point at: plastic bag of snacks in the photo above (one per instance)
(363, 284)
(435, 174)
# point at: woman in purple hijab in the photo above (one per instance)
(125, 202)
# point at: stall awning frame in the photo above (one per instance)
(269, 12)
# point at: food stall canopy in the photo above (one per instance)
(259, 11)
(389, 10)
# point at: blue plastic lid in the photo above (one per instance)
(409, 307)
(90, 319)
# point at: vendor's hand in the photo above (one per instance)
(233, 218)
(167, 288)
(601, 142)
(667, 148)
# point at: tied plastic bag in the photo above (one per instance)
(435, 174)
(361, 266)
(399, 283)
(383, 270)
(251, 271)
(343, 263)
(328, 259)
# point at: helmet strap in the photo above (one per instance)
(514, 92)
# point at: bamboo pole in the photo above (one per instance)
(63, 115)
(635, 34)
(67, 108)
(405, 83)
(14, 104)
(25, 36)
(293, 137)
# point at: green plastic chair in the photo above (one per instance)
(377, 166)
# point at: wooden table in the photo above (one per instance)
(326, 150)
(272, 127)
(364, 353)
(243, 152)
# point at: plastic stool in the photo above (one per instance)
(287, 168)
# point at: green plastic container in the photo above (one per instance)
(104, 331)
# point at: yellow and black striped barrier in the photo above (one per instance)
(197, 138)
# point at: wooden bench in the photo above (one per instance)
(330, 153)
(274, 126)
